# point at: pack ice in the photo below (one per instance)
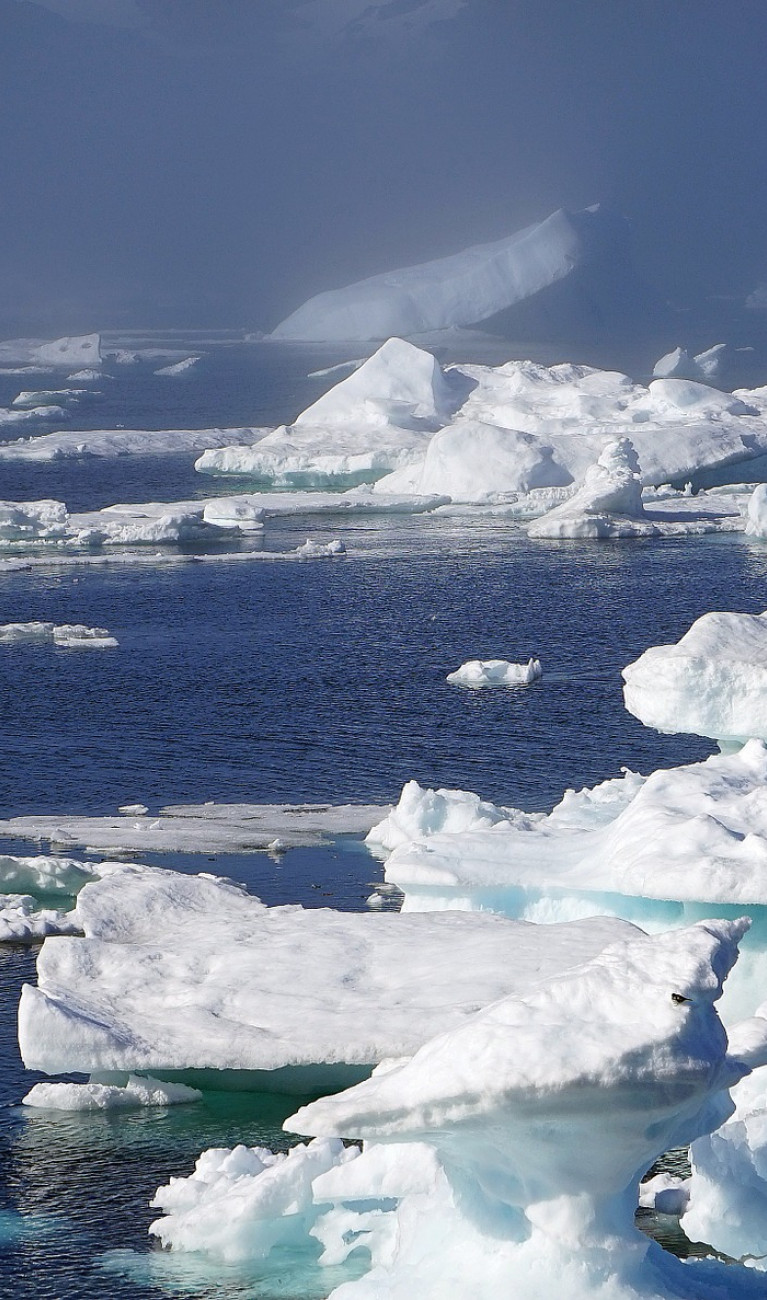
(502, 1157)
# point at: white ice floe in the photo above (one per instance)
(77, 350)
(660, 851)
(70, 636)
(311, 550)
(712, 682)
(31, 521)
(23, 920)
(179, 367)
(31, 415)
(189, 972)
(53, 397)
(88, 375)
(503, 1157)
(199, 828)
(464, 289)
(234, 512)
(665, 1193)
(368, 424)
(37, 896)
(608, 503)
(80, 443)
(136, 1091)
(421, 812)
(495, 672)
(756, 524)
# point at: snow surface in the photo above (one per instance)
(70, 636)
(712, 682)
(464, 289)
(473, 1178)
(495, 672)
(188, 972)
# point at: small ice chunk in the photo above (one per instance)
(496, 672)
(314, 550)
(137, 1091)
(133, 809)
(70, 636)
(179, 367)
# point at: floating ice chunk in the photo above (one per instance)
(678, 365)
(49, 398)
(711, 362)
(756, 525)
(622, 1058)
(23, 920)
(72, 636)
(32, 521)
(133, 809)
(180, 972)
(240, 1204)
(421, 812)
(20, 415)
(608, 504)
(179, 367)
(712, 682)
(234, 512)
(85, 376)
(665, 1193)
(496, 672)
(310, 550)
(138, 1090)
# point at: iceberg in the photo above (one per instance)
(180, 972)
(756, 524)
(496, 672)
(586, 248)
(503, 1156)
(69, 636)
(703, 366)
(712, 682)
(178, 367)
(48, 398)
(73, 352)
(608, 504)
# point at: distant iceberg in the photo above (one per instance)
(66, 635)
(587, 248)
(74, 352)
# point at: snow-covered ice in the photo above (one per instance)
(70, 636)
(73, 351)
(189, 972)
(80, 443)
(712, 682)
(178, 367)
(503, 1157)
(678, 364)
(52, 397)
(608, 503)
(136, 1091)
(495, 672)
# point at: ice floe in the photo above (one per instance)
(80, 443)
(178, 367)
(712, 682)
(70, 636)
(505, 1153)
(608, 503)
(495, 672)
(136, 1091)
(199, 828)
(52, 397)
(76, 350)
(188, 972)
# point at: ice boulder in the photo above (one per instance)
(480, 283)
(183, 972)
(540, 1113)
(712, 682)
(495, 672)
(608, 504)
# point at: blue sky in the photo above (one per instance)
(218, 161)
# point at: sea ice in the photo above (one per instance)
(310, 550)
(503, 1157)
(189, 972)
(79, 350)
(179, 367)
(712, 682)
(495, 672)
(80, 443)
(70, 636)
(54, 397)
(756, 525)
(138, 1090)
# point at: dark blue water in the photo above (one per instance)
(281, 681)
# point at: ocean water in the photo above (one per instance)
(306, 681)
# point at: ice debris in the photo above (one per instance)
(496, 672)
(70, 636)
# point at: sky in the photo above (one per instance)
(217, 162)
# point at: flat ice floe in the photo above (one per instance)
(199, 828)
(712, 682)
(70, 636)
(37, 896)
(473, 1180)
(189, 972)
(78, 444)
(178, 367)
(73, 351)
(495, 672)
(136, 1091)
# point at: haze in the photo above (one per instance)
(194, 163)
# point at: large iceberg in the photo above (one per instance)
(72, 351)
(712, 682)
(189, 973)
(503, 1157)
(484, 281)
